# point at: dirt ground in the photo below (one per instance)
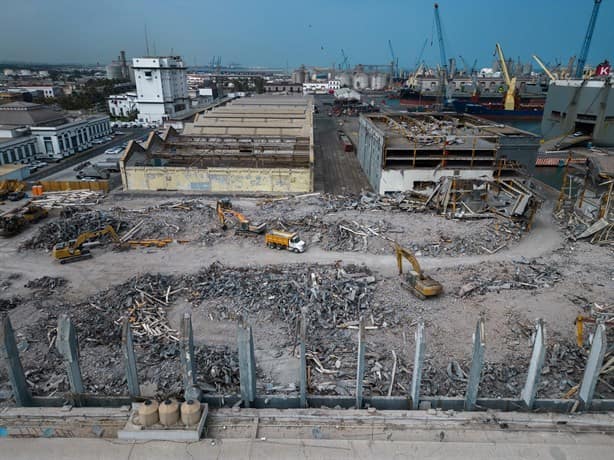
(532, 275)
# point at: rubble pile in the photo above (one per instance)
(519, 274)
(9, 304)
(218, 369)
(72, 223)
(7, 281)
(46, 283)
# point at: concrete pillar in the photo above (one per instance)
(10, 354)
(128, 350)
(535, 367)
(593, 366)
(247, 363)
(416, 379)
(360, 366)
(68, 347)
(303, 363)
(475, 373)
(188, 361)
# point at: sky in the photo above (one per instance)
(272, 33)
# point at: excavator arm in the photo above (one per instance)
(402, 252)
(81, 239)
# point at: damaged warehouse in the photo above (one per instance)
(253, 145)
(413, 151)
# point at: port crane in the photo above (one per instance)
(587, 40)
(442, 55)
(551, 76)
(510, 95)
(395, 62)
(345, 65)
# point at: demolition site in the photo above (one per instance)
(250, 262)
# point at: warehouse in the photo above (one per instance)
(412, 152)
(253, 145)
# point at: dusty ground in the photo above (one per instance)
(538, 275)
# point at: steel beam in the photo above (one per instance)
(247, 363)
(128, 348)
(529, 391)
(188, 362)
(416, 379)
(475, 374)
(10, 354)
(360, 366)
(593, 366)
(303, 363)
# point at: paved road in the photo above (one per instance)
(550, 448)
(97, 153)
(336, 171)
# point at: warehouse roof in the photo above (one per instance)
(21, 113)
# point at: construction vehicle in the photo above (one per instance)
(16, 220)
(73, 250)
(276, 239)
(224, 210)
(7, 187)
(419, 284)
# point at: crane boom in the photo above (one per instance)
(510, 95)
(587, 40)
(395, 69)
(442, 49)
(544, 68)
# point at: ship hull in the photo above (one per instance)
(496, 112)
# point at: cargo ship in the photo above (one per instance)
(495, 111)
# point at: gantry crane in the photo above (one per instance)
(587, 40)
(510, 95)
(345, 65)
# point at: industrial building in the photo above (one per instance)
(261, 145)
(161, 86)
(412, 152)
(120, 69)
(29, 129)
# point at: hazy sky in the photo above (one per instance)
(276, 33)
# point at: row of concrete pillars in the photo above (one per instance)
(67, 347)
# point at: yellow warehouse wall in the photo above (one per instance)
(282, 180)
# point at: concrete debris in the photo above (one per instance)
(9, 304)
(7, 281)
(73, 222)
(68, 199)
(46, 283)
(519, 274)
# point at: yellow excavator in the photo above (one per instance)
(224, 209)
(419, 284)
(73, 251)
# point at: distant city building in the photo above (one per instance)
(162, 88)
(29, 129)
(122, 105)
(48, 91)
(282, 87)
(321, 87)
(120, 70)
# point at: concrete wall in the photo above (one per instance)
(370, 151)
(522, 149)
(233, 180)
(594, 100)
(396, 180)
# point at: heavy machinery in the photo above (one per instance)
(16, 220)
(8, 187)
(510, 95)
(587, 40)
(224, 209)
(419, 284)
(73, 250)
(277, 239)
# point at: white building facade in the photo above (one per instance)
(161, 86)
(69, 138)
(17, 146)
(323, 87)
(48, 91)
(122, 105)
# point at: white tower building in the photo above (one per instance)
(161, 86)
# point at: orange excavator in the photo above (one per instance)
(224, 210)
(419, 284)
(73, 250)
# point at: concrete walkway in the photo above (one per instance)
(594, 447)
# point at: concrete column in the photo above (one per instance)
(128, 349)
(593, 366)
(303, 363)
(10, 354)
(68, 347)
(416, 379)
(360, 366)
(188, 361)
(247, 363)
(535, 367)
(475, 374)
